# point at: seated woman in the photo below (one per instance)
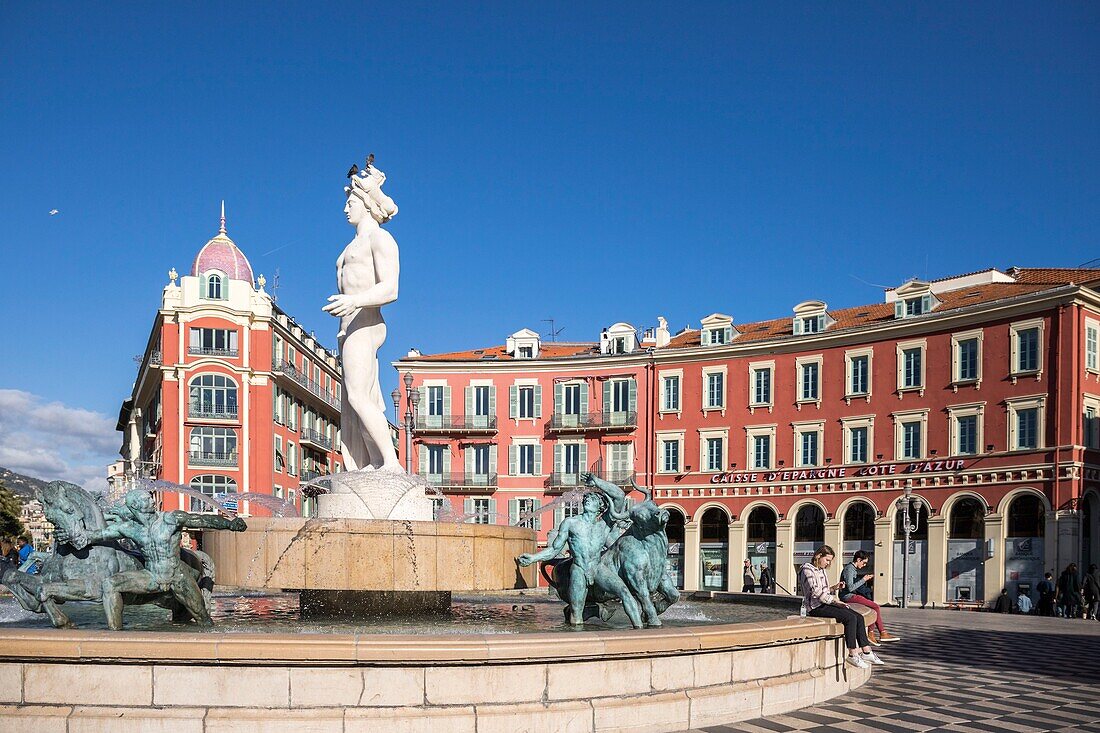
(819, 600)
(854, 591)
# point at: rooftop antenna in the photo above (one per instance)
(275, 287)
(553, 331)
(221, 227)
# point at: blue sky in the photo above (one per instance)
(591, 165)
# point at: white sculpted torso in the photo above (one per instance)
(356, 273)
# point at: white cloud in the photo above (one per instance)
(51, 441)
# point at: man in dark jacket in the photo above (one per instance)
(1069, 592)
(1092, 592)
(1046, 595)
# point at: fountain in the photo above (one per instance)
(373, 558)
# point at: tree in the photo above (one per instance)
(10, 507)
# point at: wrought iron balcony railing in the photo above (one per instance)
(212, 412)
(565, 481)
(316, 438)
(456, 423)
(309, 475)
(201, 351)
(585, 421)
(306, 383)
(209, 458)
(462, 480)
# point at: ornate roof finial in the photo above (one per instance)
(173, 275)
(221, 229)
(261, 281)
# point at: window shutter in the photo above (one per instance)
(446, 400)
(446, 460)
(492, 459)
(821, 322)
(513, 451)
(926, 303)
(423, 451)
(582, 460)
(537, 525)
(729, 334)
(797, 325)
(493, 511)
(538, 459)
(559, 399)
(633, 396)
(606, 397)
(233, 340)
(513, 401)
(202, 286)
(513, 512)
(469, 403)
(558, 465)
(584, 397)
(492, 401)
(468, 510)
(195, 340)
(538, 401)
(899, 309)
(704, 337)
(468, 455)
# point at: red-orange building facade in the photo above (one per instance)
(977, 392)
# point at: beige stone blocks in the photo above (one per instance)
(791, 693)
(392, 686)
(725, 704)
(218, 686)
(34, 719)
(656, 713)
(223, 720)
(484, 685)
(136, 720)
(411, 720)
(11, 683)
(560, 717)
(88, 684)
(608, 678)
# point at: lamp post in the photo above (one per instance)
(412, 400)
(908, 527)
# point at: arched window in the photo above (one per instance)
(859, 522)
(761, 525)
(675, 527)
(809, 525)
(1026, 517)
(213, 396)
(213, 447)
(715, 526)
(967, 520)
(213, 486)
(215, 287)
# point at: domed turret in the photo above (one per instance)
(222, 254)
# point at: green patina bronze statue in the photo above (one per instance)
(615, 557)
(157, 536)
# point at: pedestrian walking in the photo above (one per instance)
(1091, 588)
(767, 583)
(1069, 592)
(748, 578)
(1046, 595)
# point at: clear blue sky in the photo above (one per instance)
(589, 164)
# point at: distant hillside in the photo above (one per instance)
(19, 484)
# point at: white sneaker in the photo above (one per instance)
(872, 658)
(857, 661)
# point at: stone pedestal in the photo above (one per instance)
(376, 494)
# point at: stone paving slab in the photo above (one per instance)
(965, 673)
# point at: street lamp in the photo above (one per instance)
(909, 525)
(412, 399)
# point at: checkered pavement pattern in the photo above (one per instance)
(966, 672)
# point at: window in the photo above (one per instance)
(434, 406)
(859, 372)
(910, 440)
(525, 459)
(618, 345)
(717, 330)
(620, 395)
(480, 510)
(813, 324)
(809, 379)
(524, 513)
(910, 357)
(1090, 427)
(670, 393)
(715, 450)
(215, 287)
(1092, 345)
(570, 459)
(716, 388)
(1026, 422)
(214, 487)
(916, 307)
(525, 352)
(212, 342)
(213, 447)
(291, 459)
(807, 444)
(434, 465)
(670, 456)
(481, 407)
(967, 356)
(719, 336)
(1027, 428)
(280, 459)
(966, 437)
(479, 460)
(759, 445)
(619, 462)
(910, 434)
(760, 384)
(857, 445)
(213, 396)
(526, 402)
(571, 399)
(1027, 340)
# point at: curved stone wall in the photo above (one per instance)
(653, 680)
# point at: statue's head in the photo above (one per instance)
(139, 501)
(365, 197)
(595, 501)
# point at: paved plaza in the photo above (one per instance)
(964, 671)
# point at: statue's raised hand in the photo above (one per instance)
(525, 559)
(342, 304)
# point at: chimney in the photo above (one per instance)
(662, 334)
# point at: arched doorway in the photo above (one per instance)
(1090, 529)
(714, 537)
(858, 533)
(760, 540)
(966, 551)
(1025, 527)
(809, 534)
(917, 556)
(675, 531)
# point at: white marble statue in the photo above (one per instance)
(366, 274)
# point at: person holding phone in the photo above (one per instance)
(819, 599)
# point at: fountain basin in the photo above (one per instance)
(652, 680)
(371, 566)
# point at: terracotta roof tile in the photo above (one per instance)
(546, 351)
(1055, 275)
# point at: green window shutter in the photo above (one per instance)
(493, 401)
(584, 397)
(558, 466)
(468, 510)
(493, 512)
(559, 516)
(468, 454)
(538, 401)
(797, 326)
(538, 520)
(582, 460)
(704, 337)
(559, 399)
(821, 323)
(513, 450)
(446, 460)
(446, 400)
(926, 303)
(538, 459)
(202, 286)
(633, 397)
(513, 401)
(899, 309)
(606, 397)
(422, 450)
(513, 512)
(493, 458)
(469, 403)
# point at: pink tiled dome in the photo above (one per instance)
(220, 253)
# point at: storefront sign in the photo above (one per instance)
(814, 474)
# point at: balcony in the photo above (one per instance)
(308, 475)
(316, 439)
(212, 412)
(592, 421)
(471, 482)
(567, 481)
(210, 458)
(200, 351)
(289, 370)
(467, 424)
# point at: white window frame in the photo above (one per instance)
(849, 356)
(704, 436)
(661, 376)
(1091, 324)
(799, 363)
(761, 366)
(707, 371)
(954, 412)
(516, 443)
(851, 423)
(908, 416)
(537, 408)
(1014, 355)
(1014, 405)
(956, 358)
(1093, 402)
(803, 428)
(902, 347)
(751, 433)
(670, 436)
